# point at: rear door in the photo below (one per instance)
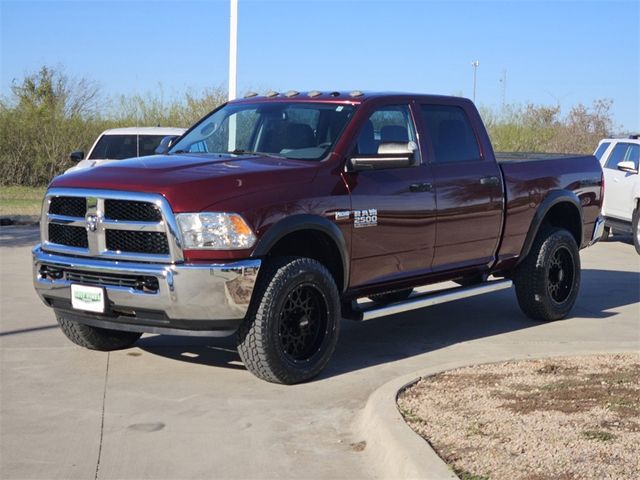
(468, 187)
(618, 201)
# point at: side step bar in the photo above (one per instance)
(428, 299)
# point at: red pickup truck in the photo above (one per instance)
(273, 215)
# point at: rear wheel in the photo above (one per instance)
(95, 338)
(548, 280)
(291, 329)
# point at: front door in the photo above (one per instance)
(393, 208)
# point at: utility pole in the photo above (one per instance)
(475, 64)
(233, 69)
(233, 47)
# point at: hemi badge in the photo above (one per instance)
(343, 215)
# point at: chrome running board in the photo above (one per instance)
(429, 299)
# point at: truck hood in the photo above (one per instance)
(192, 182)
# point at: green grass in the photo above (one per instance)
(16, 200)
(600, 435)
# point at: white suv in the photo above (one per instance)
(619, 158)
(121, 143)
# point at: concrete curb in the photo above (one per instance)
(395, 449)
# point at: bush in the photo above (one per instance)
(539, 128)
(50, 114)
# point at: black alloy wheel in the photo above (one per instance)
(561, 274)
(547, 281)
(303, 322)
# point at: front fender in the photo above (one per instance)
(301, 222)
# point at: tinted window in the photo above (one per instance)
(305, 131)
(387, 124)
(600, 151)
(147, 144)
(451, 133)
(115, 147)
(629, 152)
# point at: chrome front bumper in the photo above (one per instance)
(186, 296)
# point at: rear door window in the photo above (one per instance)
(451, 133)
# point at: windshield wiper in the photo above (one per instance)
(239, 151)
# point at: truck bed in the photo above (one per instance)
(530, 177)
(503, 157)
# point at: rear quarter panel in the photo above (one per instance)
(529, 182)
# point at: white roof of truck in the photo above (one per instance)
(145, 131)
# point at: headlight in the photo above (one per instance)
(215, 231)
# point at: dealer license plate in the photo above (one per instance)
(87, 298)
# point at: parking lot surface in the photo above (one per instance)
(183, 407)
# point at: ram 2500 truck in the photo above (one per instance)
(274, 214)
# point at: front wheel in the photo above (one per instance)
(548, 280)
(95, 338)
(292, 326)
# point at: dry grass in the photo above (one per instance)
(570, 418)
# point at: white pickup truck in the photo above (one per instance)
(621, 208)
(121, 143)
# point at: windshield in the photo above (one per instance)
(304, 131)
(118, 147)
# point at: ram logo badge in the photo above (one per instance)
(343, 215)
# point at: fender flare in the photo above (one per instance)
(296, 223)
(553, 198)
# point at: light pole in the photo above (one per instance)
(233, 47)
(475, 64)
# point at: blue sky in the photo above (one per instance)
(565, 52)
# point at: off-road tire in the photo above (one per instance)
(548, 280)
(95, 338)
(267, 336)
(635, 228)
(391, 297)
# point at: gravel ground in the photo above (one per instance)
(564, 418)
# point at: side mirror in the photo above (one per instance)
(627, 166)
(390, 155)
(76, 156)
(165, 144)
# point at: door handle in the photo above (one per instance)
(420, 187)
(492, 181)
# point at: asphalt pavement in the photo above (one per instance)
(183, 407)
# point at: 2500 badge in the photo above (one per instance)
(365, 218)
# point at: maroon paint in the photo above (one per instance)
(414, 242)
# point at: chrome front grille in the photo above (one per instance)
(110, 224)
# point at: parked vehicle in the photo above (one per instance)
(620, 158)
(121, 143)
(273, 215)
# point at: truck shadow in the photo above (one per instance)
(401, 336)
